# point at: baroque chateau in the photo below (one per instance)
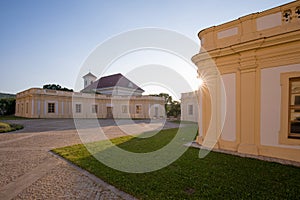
(112, 96)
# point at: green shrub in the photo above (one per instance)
(7, 106)
(4, 127)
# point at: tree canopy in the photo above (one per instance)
(7, 106)
(56, 87)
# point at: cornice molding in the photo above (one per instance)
(273, 51)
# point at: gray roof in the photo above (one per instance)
(89, 74)
(115, 80)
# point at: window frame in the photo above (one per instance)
(95, 108)
(285, 115)
(156, 111)
(294, 107)
(51, 109)
(79, 108)
(188, 109)
(138, 111)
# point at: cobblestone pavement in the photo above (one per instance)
(29, 171)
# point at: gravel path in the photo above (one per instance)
(29, 171)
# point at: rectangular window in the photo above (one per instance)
(94, 108)
(124, 109)
(190, 109)
(26, 108)
(51, 107)
(156, 112)
(297, 101)
(294, 108)
(138, 109)
(78, 108)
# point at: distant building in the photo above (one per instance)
(258, 56)
(116, 84)
(109, 97)
(89, 79)
(189, 106)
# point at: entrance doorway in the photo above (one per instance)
(109, 112)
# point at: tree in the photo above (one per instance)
(7, 106)
(172, 108)
(56, 87)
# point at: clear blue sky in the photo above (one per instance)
(46, 41)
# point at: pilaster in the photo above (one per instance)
(248, 80)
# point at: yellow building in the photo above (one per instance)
(258, 60)
(109, 97)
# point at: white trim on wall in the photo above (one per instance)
(38, 107)
(56, 107)
(45, 108)
(270, 101)
(32, 107)
(62, 108)
(229, 107)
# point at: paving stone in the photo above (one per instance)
(29, 171)
(64, 182)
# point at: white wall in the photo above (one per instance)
(268, 21)
(229, 128)
(271, 104)
(186, 100)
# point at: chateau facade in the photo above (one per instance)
(258, 60)
(121, 98)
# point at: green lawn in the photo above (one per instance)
(217, 176)
(183, 122)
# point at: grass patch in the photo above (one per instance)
(217, 176)
(11, 117)
(183, 122)
(4, 127)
